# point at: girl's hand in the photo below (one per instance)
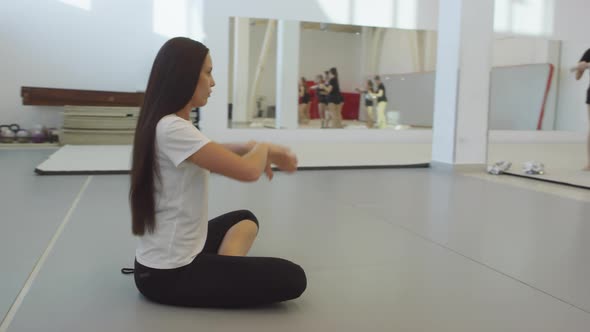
(268, 170)
(283, 158)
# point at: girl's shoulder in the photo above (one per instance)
(172, 123)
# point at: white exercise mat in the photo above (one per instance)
(116, 159)
(88, 159)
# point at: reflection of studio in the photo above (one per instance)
(329, 100)
(404, 60)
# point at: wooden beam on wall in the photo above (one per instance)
(61, 97)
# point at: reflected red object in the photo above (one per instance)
(350, 110)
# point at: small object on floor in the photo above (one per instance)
(38, 136)
(23, 136)
(499, 167)
(533, 168)
(7, 135)
(41, 128)
(53, 136)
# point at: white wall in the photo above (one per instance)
(570, 20)
(268, 79)
(400, 52)
(404, 14)
(553, 19)
(321, 50)
(514, 51)
(111, 46)
(397, 53)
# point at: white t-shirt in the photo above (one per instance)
(181, 198)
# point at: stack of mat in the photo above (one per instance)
(99, 125)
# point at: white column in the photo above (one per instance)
(465, 36)
(241, 73)
(264, 51)
(365, 66)
(366, 40)
(553, 57)
(377, 50)
(430, 51)
(419, 38)
(288, 34)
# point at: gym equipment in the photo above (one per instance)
(38, 136)
(499, 167)
(8, 133)
(533, 167)
(23, 136)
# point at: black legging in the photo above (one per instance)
(212, 280)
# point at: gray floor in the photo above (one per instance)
(32, 208)
(384, 250)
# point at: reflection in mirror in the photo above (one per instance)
(524, 83)
(351, 77)
(252, 73)
(541, 84)
(381, 74)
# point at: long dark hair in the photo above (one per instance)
(173, 80)
(334, 72)
(303, 82)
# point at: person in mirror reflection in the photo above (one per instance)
(335, 101)
(579, 70)
(381, 102)
(304, 101)
(182, 258)
(368, 95)
(326, 97)
(322, 96)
